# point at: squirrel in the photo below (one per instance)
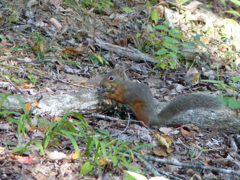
(118, 87)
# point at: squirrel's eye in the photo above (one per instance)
(111, 78)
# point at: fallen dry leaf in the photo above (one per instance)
(142, 153)
(28, 106)
(223, 50)
(24, 159)
(165, 142)
(192, 6)
(74, 155)
(36, 103)
(160, 151)
(163, 139)
(55, 23)
(27, 85)
(103, 162)
(188, 130)
(57, 118)
(80, 83)
(204, 39)
(56, 155)
(75, 51)
(91, 10)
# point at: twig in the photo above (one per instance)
(156, 172)
(115, 119)
(128, 122)
(97, 115)
(199, 166)
(73, 84)
(132, 54)
(19, 90)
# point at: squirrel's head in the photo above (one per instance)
(113, 79)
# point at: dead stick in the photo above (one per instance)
(199, 166)
(19, 90)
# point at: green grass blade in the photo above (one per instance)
(39, 145)
(72, 140)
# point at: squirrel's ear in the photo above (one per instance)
(120, 71)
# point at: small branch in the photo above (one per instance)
(156, 172)
(73, 84)
(199, 166)
(132, 53)
(128, 122)
(115, 119)
(19, 90)
(97, 115)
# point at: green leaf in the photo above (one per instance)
(97, 153)
(64, 118)
(127, 9)
(155, 17)
(114, 160)
(173, 55)
(12, 120)
(103, 151)
(223, 2)
(143, 145)
(163, 65)
(237, 2)
(129, 177)
(231, 102)
(161, 51)
(161, 27)
(177, 36)
(170, 40)
(11, 143)
(173, 31)
(198, 37)
(20, 125)
(173, 64)
(4, 97)
(103, 131)
(236, 79)
(11, 112)
(22, 149)
(15, 80)
(22, 105)
(233, 12)
(173, 48)
(81, 131)
(79, 116)
(68, 134)
(130, 167)
(39, 145)
(86, 168)
(136, 175)
(111, 142)
(198, 40)
(89, 145)
(46, 140)
(50, 130)
(232, 21)
(70, 127)
(214, 81)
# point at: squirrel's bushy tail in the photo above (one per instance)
(186, 102)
